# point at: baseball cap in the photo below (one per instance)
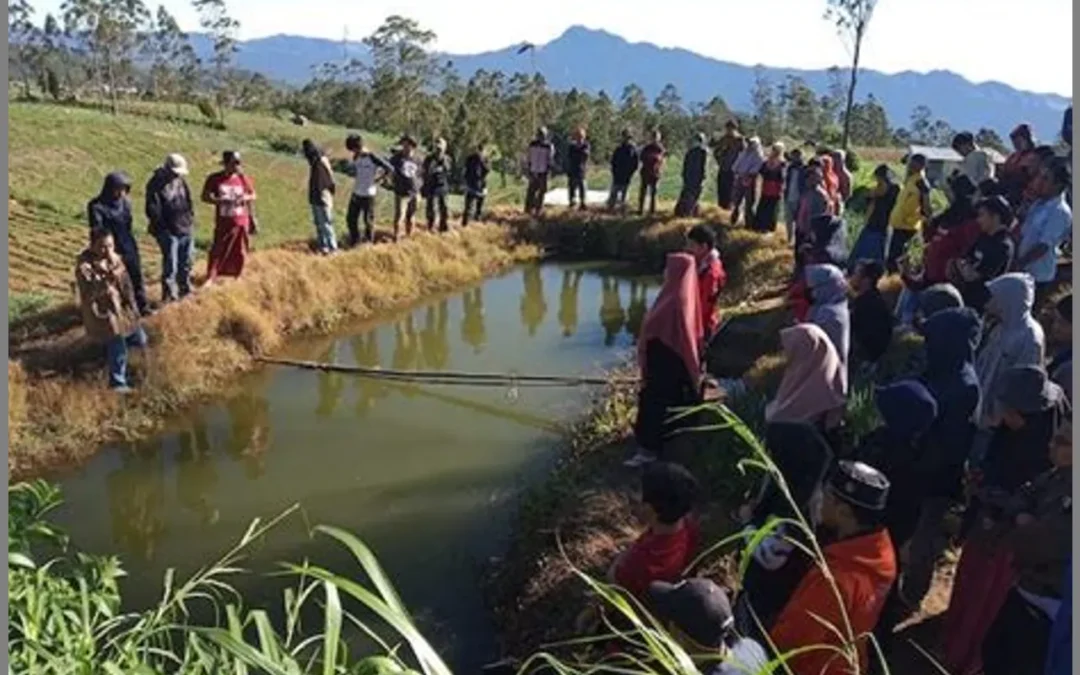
(697, 607)
(176, 163)
(860, 485)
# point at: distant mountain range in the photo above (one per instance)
(595, 60)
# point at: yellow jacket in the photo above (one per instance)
(907, 213)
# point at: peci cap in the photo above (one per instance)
(860, 485)
(697, 607)
(176, 163)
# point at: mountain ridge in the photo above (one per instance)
(595, 59)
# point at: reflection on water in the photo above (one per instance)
(422, 472)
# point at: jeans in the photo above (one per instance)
(324, 227)
(177, 251)
(360, 206)
(907, 305)
(116, 351)
(576, 186)
(129, 253)
(474, 204)
(437, 200)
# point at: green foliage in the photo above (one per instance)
(24, 304)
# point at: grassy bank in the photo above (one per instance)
(60, 411)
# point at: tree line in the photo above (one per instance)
(114, 49)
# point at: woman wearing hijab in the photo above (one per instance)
(1032, 409)
(813, 389)
(111, 211)
(772, 189)
(829, 306)
(871, 242)
(951, 337)
(802, 456)
(746, 168)
(669, 357)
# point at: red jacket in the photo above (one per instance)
(948, 245)
(711, 280)
(657, 557)
(864, 569)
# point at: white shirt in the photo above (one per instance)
(1048, 222)
(977, 166)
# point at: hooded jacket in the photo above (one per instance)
(952, 336)
(168, 204)
(829, 306)
(106, 213)
(624, 163)
(1016, 340)
(693, 171)
(863, 570)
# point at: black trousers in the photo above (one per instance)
(1018, 640)
(648, 187)
(534, 194)
(434, 201)
(688, 200)
(474, 204)
(617, 196)
(360, 206)
(725, 181)
(898, 244)
(576, 186)
(765, 220)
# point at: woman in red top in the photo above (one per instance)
(1020, 167)
(231, 193)
(772, 189)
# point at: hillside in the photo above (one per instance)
(595, 60)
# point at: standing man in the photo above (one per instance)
(976, 165)
(171, 214)
(111, 211)
(539, 160)
(321, 197)
(437, 185)
(726, 151)
(577, 165)
(232, 194)
(652, 165)
(366, 168)
(794, 183)
(476, 172)
(912, 209)
(624, 164)
(693, 178)
(1047, 226)
(406, 185)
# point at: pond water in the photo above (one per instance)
(426, 475)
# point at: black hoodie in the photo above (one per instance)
(105, 212)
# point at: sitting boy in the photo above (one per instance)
(662, 552)
(697, 613)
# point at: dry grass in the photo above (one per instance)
(198, 346)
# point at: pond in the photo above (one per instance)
(426, 475)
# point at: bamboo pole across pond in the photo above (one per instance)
(453, 377)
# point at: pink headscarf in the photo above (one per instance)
(675, 317)
(815, 381)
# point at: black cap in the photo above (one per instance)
(697, 607)
(230, 156)
(860, 485)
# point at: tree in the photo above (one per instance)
(402, 69)
(214, 18)
(670, 115)
(869, 124)
(800, 107)
(173, 58)
(24, 42)
(55, 57)
(852, 18)
(633, 108)
(920, 124)
(988, 138)
(110, 30)
(767, 121)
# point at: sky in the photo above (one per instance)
(975, 38)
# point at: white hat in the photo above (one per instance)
(177, 164)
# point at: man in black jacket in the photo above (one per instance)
(624, 164)
(171, 214)
(476, 172)
(437, 185)
(577, 164)
(693, 177)
(111, 211)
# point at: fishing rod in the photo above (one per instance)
(453, 377)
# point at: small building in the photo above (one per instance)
(941, 162)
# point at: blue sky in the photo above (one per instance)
(979, 39)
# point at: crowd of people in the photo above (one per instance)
(981, 431)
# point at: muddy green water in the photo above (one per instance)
(426, 475)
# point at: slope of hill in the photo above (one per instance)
(596, 60)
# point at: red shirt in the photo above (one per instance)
(711, 280)
(229, 189)
(948, 245)
(864, 569)
(657, 557)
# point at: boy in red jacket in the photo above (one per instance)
(701, 243)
